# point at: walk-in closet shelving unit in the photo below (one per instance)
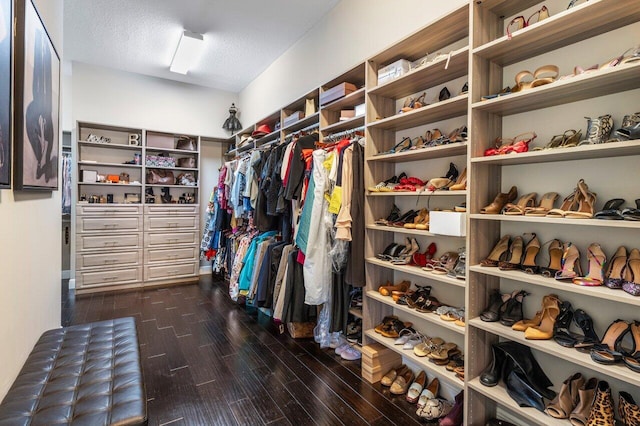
(385, 126)
(569, 37)
(123, 240)
(330, 122)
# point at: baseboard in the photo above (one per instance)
(72, 283)
(206, 270)
(66, 274)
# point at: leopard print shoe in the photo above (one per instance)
(601, 413)
(628, 410)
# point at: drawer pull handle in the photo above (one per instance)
(109, 278)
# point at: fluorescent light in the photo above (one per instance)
(189, 50)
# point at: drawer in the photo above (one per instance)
(99, 278)
(103, 242)
(164, 239)
(107, 224)
(107, 210)
(174, 254)
(112, 259)
(171, 209)
(171, 271)
(170, 223)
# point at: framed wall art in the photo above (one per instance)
(6, 38)
(37, 103)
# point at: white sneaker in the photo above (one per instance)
(342, 348)
(336, 341)
(351, 354)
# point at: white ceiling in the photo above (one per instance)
(242, 36)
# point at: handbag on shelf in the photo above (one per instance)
(186, 179)
(188, 162)
(161, 177)
(185, 143)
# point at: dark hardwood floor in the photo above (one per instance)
(207, 361)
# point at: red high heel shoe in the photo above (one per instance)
(522, 144)
(422, 259)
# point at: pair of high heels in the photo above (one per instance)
(580, 204)
(612, 210)
(623, 271)
(610, 349)
(518, 144)
(509, 255)
(506, 308)
(519, 22)
(445, 182)
(543, 324)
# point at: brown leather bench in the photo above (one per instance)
(87, 374)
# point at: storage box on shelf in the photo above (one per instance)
(494, 57)
(383, 127)
(331, 117)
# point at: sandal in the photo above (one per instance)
(545, 205)
(568, 204)
(518, 209)
(531, 250)
(499, 201)
(503, 92)
(589, 338)
(393, 217)
(546, 74)
(631, 283)
(499, 251)
(445, 267)
(386, 289)
(418, 219)
(632, 214)
(570, 263)
(586, 203)
(423, 349)
(595, 276)
(515, 255)
(555, 259)
(614, 278)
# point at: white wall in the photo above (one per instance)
(108, 96)
(30, 255)
(351, 32)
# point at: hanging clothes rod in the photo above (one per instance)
(348, 132)
(306, 129)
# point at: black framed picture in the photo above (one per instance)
(6, 38)
(37, 103)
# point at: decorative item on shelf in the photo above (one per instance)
(149, 196)
(245, 140)
(162, 177)
(131, 198)
(187, 162)
(336, 92)
(98, 139)
(124, 177)
(113, 179)
(190, 197)
(347, 114)
(89, 176)
(262, 130)
(186, 143)
(160, 160)
(232, 124)
(134, 139)
(109, 198)
(137, 159)
(186, 179)
(309, 107)
(166, 196)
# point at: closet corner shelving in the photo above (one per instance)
(384, 128)
(493, 55)
(330, 121)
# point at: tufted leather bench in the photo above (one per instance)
(88, 374)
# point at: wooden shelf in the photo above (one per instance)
(501, 397)
(429, 367)
(103, 164)
(416, 232)
(559, 221)
(600, 292)
(450, 108)
(431, 317)
(417, 194)
(583, 152)
(449, 150)
(351, 100)
(173, 186)
(110, 145)
(443, 31)
(585, 86)
(174, 168)
(506, 8)
(356, 312)
(111, 184)
(301, 124)
(426, 76)
(268, 137)
(352, 123)
(177, 151)
(618, 371)
(414, 270)
(567, 27)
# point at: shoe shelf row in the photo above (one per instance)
(430, 368)
(405, 310)
(446, 40)
(593, 29)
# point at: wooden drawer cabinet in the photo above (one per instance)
(103, 260)
(171, 210)
(164, 239)
(175, 254)
(107, 224)
(95, 278)
(172, 271)
(108, 210)
(108, 241)
(170, 223)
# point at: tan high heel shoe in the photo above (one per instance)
(567, 399)
(497, 253)
(522, 325)
(499, 202)
(586, 203)
(546, 204)
(568, 204)
(461, 183)
(518, 209)
(418, 219)
(544, 331)
(570, 263)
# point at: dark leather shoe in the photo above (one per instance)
(491, 375)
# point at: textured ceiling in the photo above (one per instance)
(242, 36)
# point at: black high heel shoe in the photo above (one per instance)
(561, 333)
(584, 321)
(497, 302)
(444, 94)
(513, 310)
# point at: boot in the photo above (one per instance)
(491, 375)
(628, 410)
(586, 393)
(598, 129)
(529, 369)
(454, 418)
(567, 399)
(601, 413)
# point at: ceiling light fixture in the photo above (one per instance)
(189, 50)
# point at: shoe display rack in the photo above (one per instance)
(568, 37)
(385, 127)
(132, 231)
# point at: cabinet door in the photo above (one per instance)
(107, 210)
(170, 223)
(107, 224)
(171, 255)
(110, 259)
(171, 271)
(108, 241)
(164, 239)
(100, 278)
(171, 209)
